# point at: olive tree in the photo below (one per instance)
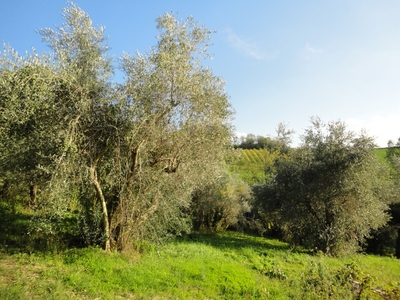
(329, 193)
(145, 146)
(58, 115)
(29, 127)
(127, 157)
(393, 157)
(176, 134)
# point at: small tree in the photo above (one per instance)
(329, 192)
(393, 150)
(393, 157)
(220, 204)
(29, 120)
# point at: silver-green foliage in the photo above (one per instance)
(177, 132)
(29, 135)
(330, 192)
(131, 153)
(221, 204)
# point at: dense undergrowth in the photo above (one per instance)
(224, 266)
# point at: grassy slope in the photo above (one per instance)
(227, 266)
(381, 154)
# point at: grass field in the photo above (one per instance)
(225, 266)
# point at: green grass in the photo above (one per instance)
(225, 266)
(381, 154)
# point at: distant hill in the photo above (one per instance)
(250, 164)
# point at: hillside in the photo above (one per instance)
(381, 154)
(250, 164)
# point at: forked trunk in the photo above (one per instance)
(106, 224)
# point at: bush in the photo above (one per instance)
(220, 204)
(329, 193)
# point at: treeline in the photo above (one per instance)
(282, 139)
(115, 164)
(251, 141)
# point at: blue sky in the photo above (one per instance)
(283, 61)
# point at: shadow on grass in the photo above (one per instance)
(15, 237)
(233, 240)
(14, 227)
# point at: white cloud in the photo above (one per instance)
(247, 47)
(383, 128)
(311, 52)
(240, 134)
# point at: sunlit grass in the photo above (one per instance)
(381, 154)
(225, 266)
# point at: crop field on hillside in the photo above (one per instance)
(256, 156)
(251, 156)
(250, 164)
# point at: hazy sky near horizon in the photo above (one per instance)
(283, 61)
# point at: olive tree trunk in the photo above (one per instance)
(106, 224)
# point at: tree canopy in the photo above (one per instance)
(126, 156)
(329, 192)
